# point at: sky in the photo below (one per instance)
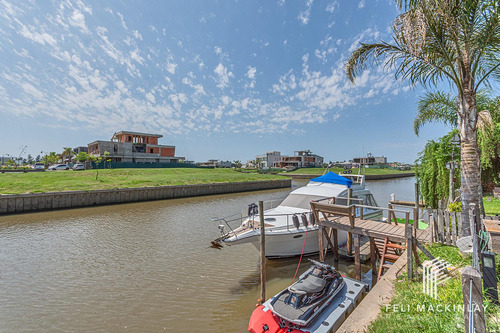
(220, 79)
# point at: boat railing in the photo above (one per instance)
(356, 179)
(361, 209)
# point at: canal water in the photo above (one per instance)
(141, 267)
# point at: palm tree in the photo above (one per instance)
(67, 152)
(442, 107)
(457, 41)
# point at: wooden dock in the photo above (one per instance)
(332, 217)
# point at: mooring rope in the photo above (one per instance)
(301, 254)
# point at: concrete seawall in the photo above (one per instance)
(367, 177)
(25, 203)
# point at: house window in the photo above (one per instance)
(151, 150)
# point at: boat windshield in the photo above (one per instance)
(300, 200)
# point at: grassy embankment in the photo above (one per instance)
(52, 181)
(405, 313)
(491, 205)
(367, 171)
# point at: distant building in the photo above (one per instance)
(268, 160)
(370, 160)
(225, 164)
(134, 147)
(4, 159)
(300, 159)
(217, 164)
(81, 149)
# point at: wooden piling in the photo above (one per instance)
(349, 235)
(357, 257)
(409, 253)
(373, 260)
(470, 274)
(417, 204)
(335, 245)
(320, 243)
(262, 253)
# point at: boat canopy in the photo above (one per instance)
(333, 178)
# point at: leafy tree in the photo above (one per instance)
(30, 159)
(237, 163)
(38, 158)
(441, 107)
(51, 158)
(82, 157)
(432, 173)
(457, 41)
(67, 152)
(10, 162)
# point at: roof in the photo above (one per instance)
(333, 178)
(138, 133)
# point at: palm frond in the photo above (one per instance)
(436, 107)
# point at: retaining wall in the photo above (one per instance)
(23, 203)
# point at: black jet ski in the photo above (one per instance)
(300, 303)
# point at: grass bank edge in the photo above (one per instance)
(62, 181)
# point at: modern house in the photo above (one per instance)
(300, 159)
(80, 149)
(268, 160)
(370, 160)
(134, 147)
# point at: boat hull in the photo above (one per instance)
(290, 244)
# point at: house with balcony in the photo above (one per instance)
(135, 147)
(268, 159)
(300, 159)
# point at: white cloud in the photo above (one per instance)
(151, 98)
(367, 34)
(134, 54)
(32, 90)
(198, 88)
(251, 75)
(361, 4)
(332, 6)
(171, 67)
(304, 15)
(41, 38)
(223, 76)
(122, 20)
(137, 35)
(77, 19)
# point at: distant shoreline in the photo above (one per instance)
(367, 177)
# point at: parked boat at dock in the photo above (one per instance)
(290, 226)
(318, 302)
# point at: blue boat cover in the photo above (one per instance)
(333, 178)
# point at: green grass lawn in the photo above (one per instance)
(491, 205)
(421, 225)
(52, 181)
(404, 314)
(320, 171)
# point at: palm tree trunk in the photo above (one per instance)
(470, 173)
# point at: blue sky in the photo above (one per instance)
(218, 79)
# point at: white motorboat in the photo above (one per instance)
(290, 226)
